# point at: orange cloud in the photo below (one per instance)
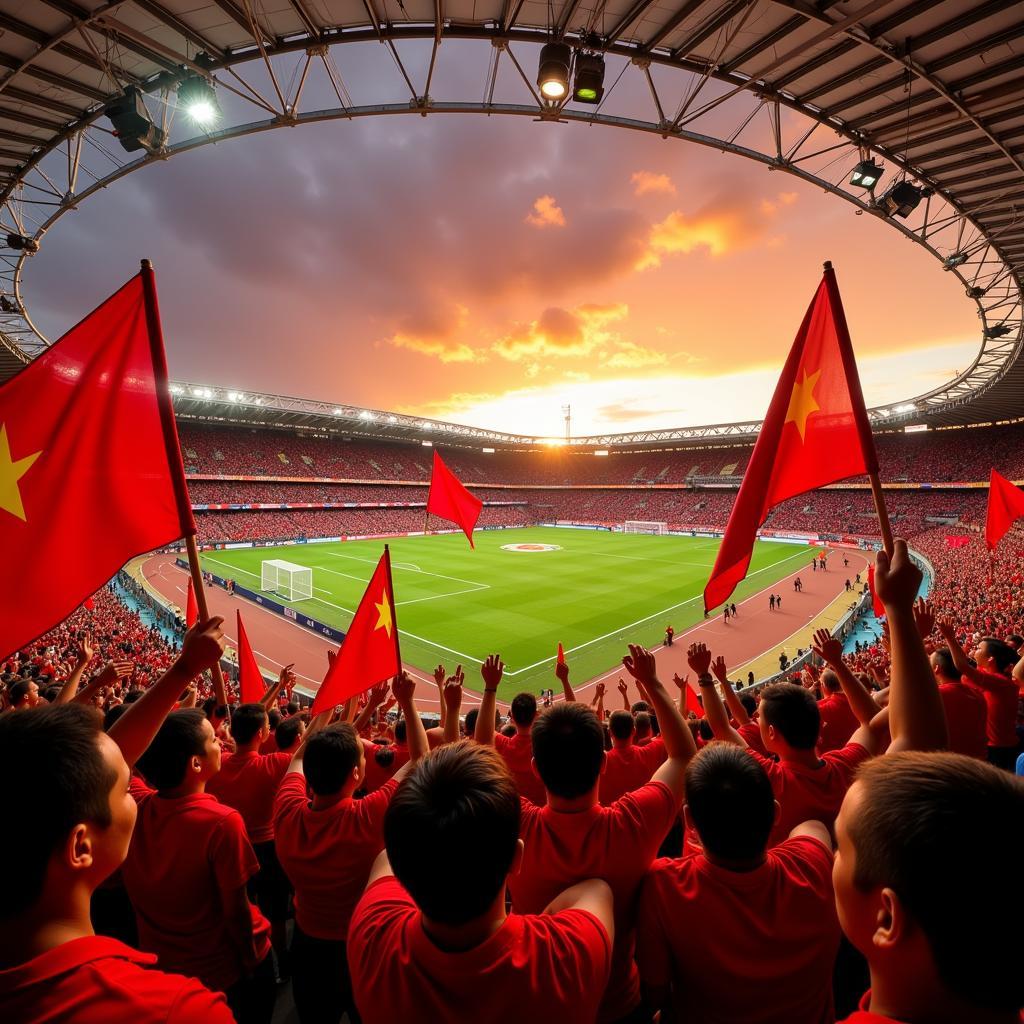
(561, 333)
(446, 352)
(546, 213)
(648, 181)
(433, 332)
(630, 356)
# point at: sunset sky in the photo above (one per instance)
(492, 270)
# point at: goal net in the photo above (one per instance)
(640, 526)
(286, 579)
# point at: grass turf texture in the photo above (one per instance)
(595, 594)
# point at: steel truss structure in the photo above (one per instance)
(931, 89)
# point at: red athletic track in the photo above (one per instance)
(756, 630)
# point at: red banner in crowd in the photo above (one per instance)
(957, 542)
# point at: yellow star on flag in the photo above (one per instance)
(383, 612)
(10, 473)
(802, 403)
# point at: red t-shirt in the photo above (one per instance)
(97, 980)
(838, 723)
(327, 854)
(810, 794)
(248, 782)
(187, 853)
(743, 947)
(630, 767)
(533, 968)
(616, 843)
(863, 1015)
(377, 774)
(517, 752)
(751, 735)
(1000, 696)
(966, 718)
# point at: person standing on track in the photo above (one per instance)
(771, 602)
(725, 614)
(669, 634)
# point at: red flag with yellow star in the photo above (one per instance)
(90, 469)
(816, 432)
(369, 653)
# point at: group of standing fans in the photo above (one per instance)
(849, 854)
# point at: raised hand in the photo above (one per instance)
(453, 691)
(827, 647)
(623, 688)
(640, 664)
(600, 690)
(562, 671)
(112, 671)
(378, 694)
(924, 617)
(698, 657)
(286, 679)
(439, 676)
(85, 650)
(681, 681)
(491, 671)
(403, 686)
(719, 669)
(897, 580)
(946, 628)
(202, 647)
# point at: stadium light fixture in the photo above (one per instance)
(553, 73)
(427, 444)
(602, 452)
(235, 396)
(997, 331)
(133, 126)
(902, 199)
(588, 82)
(957, 259)
(908, 407)
(336, 412)
(366, 415)
(392, 419)
(866, 174)
(487, 451)
(176, 389)
(199, 100)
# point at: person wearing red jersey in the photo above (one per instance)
(188, 868)
(627, 766)
(964, 705)
(838, 721)
(573, 837)
(739, 933)
(75, 818)
(328, 844)
(430, 940)
(516, 750)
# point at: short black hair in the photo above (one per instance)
(793, 712)
(165, 760)
(400, 730)
(643, 722)
(451, 830)
(1005, 656)
(830, 681)
(945, 664)
(621, 725)
(730, 801)
(330, 756)
(524, 708)
(112, 715)
(568, 748)
(287, 731)
(749, 703)
(62, 780)
(247, 720)
(18, 691)
(471, 717)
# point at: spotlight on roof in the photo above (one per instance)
(866, 174)
(956, 260)
(22, 243)
(901, 200)
(197, 97)
(133, 126)
(176, 389)
(976, 292)
(588, 81)
(997, 331)
(553, 74)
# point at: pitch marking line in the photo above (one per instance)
(408, 567)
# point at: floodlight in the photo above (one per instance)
(176, 389)
(956, 260)
(588, 83)
(866, 174)
(997, 331)
(132, 124)
(553, 75)
(22, 243)
(901, 200)
(198, 98)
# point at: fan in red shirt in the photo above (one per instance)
(75, 818)
(328, 844)
(627, 766)
(738, 933)
(434, 941)
(838, 721)
(964, 705)
(573, 837)
(517, 750)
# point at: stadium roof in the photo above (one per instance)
(934, 89)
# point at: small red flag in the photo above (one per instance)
(1005, 506)
(561, 654)
(191, 607)
(89, 604)
(448, 499)
(369, 653)
(89, 463)
(816, 431)
(692, 703)
(250, 679)
(876, 603)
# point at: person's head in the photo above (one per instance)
(830, 681)
(71, 803)
(184, 749)
(1016, 641)
(729, 801)
(789, 718)
(471, 716)
(112, 715)
(704, 730)
(24, 693)
(905, 822)
(621, 726)
(334, 760)
(568, 750)
(524, 709)
(250, 724)
(643, 725)
(992, 655)
(943, 666)
(639, 705)
(275, 718)
(452, 832)
(400, 730)
(749, 703)
(289, 732)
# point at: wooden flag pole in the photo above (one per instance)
(394, 620)
(882, 512)
(219, 689)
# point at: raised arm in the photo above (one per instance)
(960, 658)
(404, 688)
(593, 895)
(107, 676)
(70, 687)
(562, 675)
(830, 650)
(285, 681)
(736, 708)
(624, 691)
(378, 694)
(451, 701)
(699, 659)
(491, 672)
(440, 675)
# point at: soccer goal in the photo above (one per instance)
(286, 579)
(640, 526)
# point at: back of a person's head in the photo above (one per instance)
(451, 831)
(793, 712)
(112, 715)
(621, 725)
(287, 732)
(18, 691)
(524, 708)
(57, 779)
(330, 756)
(749, 704)
(568, 749)
(275, 718)
(639, 705)
(919, 819)
(1001, 652)
(165, 760)
(471, 716)
(400, 731)
(830, 681)
(643, 723)
(246, 722)
(730, 801)
(942, 660)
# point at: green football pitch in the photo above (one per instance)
(594, 593)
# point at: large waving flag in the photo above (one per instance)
(1005, 506)
(90, 469)
(816, 432)
(369, 653)
(448, 499)
(250, 679)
